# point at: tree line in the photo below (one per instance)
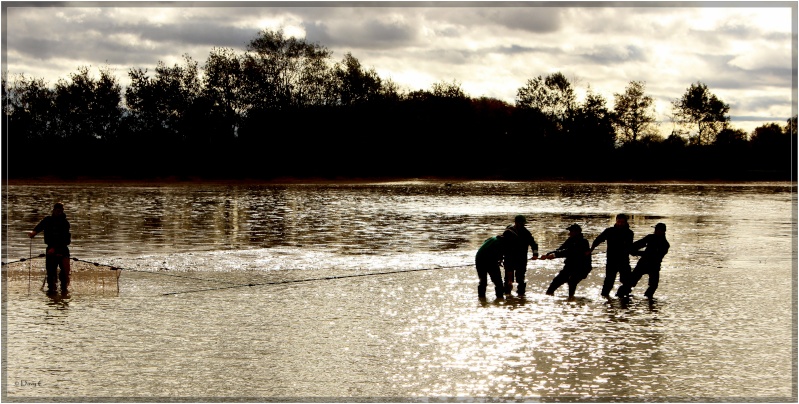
(284, 108)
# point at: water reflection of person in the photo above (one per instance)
(649, 264)
(517, 239)
(577, 264)
(619, 239)
(487, 261)
(57, 237)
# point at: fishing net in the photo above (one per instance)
(30, 274)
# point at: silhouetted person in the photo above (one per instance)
(487, 262)
(656, 248)
(57, 238)
(619, 239)
(517, 239)
(577, 264)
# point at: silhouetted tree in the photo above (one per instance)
(88, 109)
(30, 105)
(634, 112)
(283, 109)
(553, 95)
(592, 125)
(159, 104)
(353, 84)
(224, 89)
(699, 107)
(283, 72)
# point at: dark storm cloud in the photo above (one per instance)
(196, 33)
(529, 19)
(107, 35)
(369, 34)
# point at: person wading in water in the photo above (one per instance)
(656, 248)
(620, 239)
(517, 239)
(57, 237)
(577, 264)
(487, 262)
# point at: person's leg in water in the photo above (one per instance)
(654, 280)
(496, 278)
(521, 284)
(573, 287)
(561, 278)
(51, 263)
(509, 271)
(482, 275)
(632, 280)
(610, 279)
(64, 274)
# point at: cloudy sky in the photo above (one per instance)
(744, 53)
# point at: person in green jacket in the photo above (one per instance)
(487, 261)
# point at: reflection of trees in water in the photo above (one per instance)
(366, 218)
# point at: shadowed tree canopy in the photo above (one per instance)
(700, 108)
(634, 112)
(284, 108)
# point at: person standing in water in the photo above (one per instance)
(57, 237)
(517, 239)
(487, 262)
(619, 239)
(651, 258)
(577, 264)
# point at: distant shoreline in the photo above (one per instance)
(174, 180)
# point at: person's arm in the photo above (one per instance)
(559, 253)
(38, 229)
(599, 239)
(638, 245)
(534, 246)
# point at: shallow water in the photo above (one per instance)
(228, 291)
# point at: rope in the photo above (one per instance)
(22, 259)
(311, 280)
(234, 285)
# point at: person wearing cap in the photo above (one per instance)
(577, 264)
(619, 238)
(57, 237)
(649, 264)
(487, 261)
(517, 239)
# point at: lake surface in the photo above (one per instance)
(367, 291)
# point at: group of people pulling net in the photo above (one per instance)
(510, 251)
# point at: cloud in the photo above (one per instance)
(368, 34)
(742, 54)
(613, 55)
(529, 19)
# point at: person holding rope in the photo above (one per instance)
(651, 258)
(619, 239)
(517, 239)
(57, 237)
(487, 261)
(577, 265)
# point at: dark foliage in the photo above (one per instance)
(282, 109)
